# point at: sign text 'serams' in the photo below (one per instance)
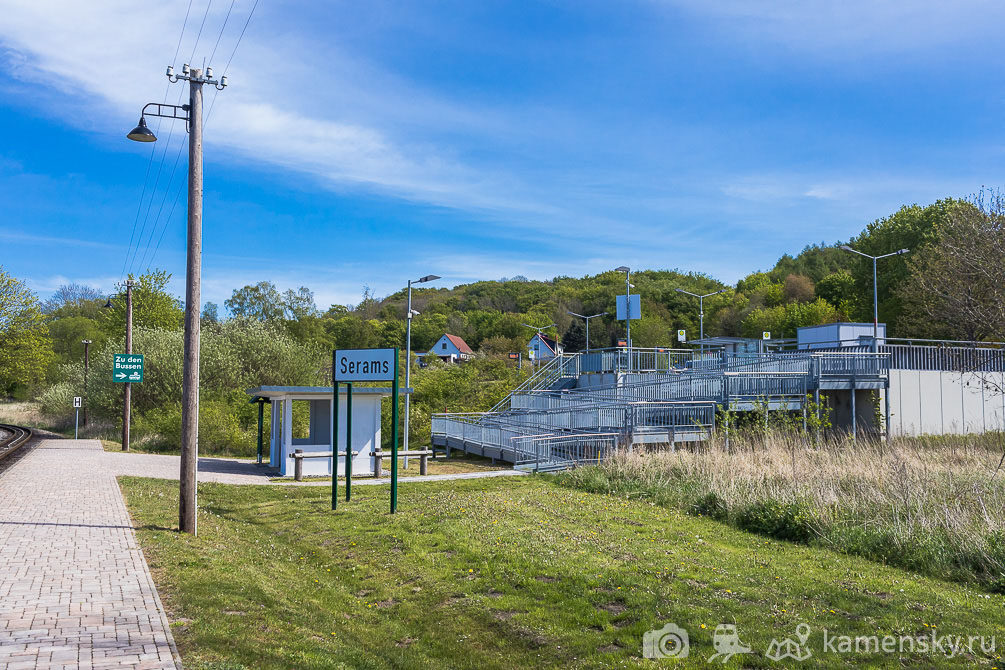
(349, 367)
(364, 365)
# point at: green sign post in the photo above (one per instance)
(363, 365)
(127, 368)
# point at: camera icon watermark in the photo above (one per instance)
(670, 641)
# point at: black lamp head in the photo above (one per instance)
(141, 133)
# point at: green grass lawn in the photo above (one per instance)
(458, 463)
(512, 573)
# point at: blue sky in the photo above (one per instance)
(360, 144)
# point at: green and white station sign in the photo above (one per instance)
(127, 368)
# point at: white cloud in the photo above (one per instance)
(851, 29)
(109, 58)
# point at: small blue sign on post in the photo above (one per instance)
(633, 310)
(127, 368)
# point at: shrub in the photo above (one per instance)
(782, 521)
(712, 506)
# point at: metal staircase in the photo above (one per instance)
(580, 406)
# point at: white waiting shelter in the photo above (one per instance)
(366, 403)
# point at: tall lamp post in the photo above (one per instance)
(701, 310)
(875, 289)
(408, 353)
(192, 115)
(587, 319)
(539, 338)
(628, 311)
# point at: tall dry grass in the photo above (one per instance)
(30, 415)
(934, 505)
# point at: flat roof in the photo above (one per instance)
(325, 391)
(839, 323)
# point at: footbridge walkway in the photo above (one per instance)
(580, 406)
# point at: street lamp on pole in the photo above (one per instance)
(587, 319)
(539, 338)
(628, 311)
(701, 310)
(875, 289)
(192, 115)
(408, 352)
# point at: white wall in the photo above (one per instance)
(946, 403)
(365, 436)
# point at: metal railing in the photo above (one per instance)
(553, 452)
(563, 365)
(945, 357)
(503, 431)
(850, 364)
(642, 360)
(750, 386)
(665, 396)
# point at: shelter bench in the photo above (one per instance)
(379, 456)
(298, 457)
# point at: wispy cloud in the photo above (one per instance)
(107, 55)
(852, 29)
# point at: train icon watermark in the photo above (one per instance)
(726, 643)
(670, 641)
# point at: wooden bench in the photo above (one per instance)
(379, 456)
(298, 457)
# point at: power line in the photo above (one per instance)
(209, 112)
(160, 168)
(160, 210)
(240, 37)
(230, 60)
(174, 61)
(201, 26)
(222, 28)
(153, 151)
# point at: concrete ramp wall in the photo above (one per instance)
(936, 402)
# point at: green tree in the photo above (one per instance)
(210, 313)
(838, 289)
(262, 302)
(25, 345)
(911, 227)
(955, 287)
(153, 306)
(785, 320)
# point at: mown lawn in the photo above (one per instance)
(512, 573)
(458, 463)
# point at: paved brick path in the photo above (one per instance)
(75, 591)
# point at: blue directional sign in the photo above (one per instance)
(127, 368)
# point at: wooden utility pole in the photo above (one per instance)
(192, 115)
(193, 299)
(128, 391)
(87, 367)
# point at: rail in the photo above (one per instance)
(556, 452)
(16, 438)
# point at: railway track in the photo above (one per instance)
(12, 438)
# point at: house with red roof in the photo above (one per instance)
(542, 348)
(451, 348)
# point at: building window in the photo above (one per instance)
(444, 345)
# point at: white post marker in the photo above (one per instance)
(76, 410)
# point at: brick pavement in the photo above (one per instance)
(75, 590)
